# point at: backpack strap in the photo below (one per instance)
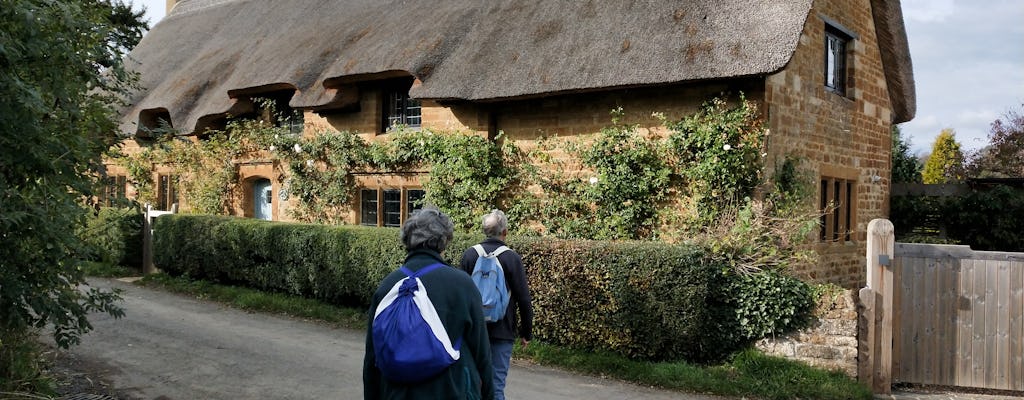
(500, 250)
(423, 271)
(480, 251)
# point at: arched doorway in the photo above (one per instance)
(263, 197)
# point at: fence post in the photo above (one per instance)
(877, 298)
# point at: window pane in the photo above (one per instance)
(368, 207)
(412, 112)
(849, 207)
(824, 208)
(414, 200)
(393, 113)
(835, 213)
(393, 207)
(162, 193)
(122, 187)
(835, 62)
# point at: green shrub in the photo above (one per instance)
(983, 218)
(114, 236)
(767, 303)
(21, 367)
(645, 300)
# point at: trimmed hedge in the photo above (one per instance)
(646, 300)
(114, 236)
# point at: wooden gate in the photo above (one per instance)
(940, 315)
(958, 317)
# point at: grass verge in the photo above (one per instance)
(749, 374)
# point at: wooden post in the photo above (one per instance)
(868, 342)
(880, 251)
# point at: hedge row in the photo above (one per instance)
(646, 300)
(985, 219)
(114, 236)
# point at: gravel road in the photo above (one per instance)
(172, 347)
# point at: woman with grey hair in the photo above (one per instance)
(425, 235)
(427, 228)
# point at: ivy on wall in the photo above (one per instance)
(697, 179)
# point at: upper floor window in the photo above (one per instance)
(291, 119)
(399, 109)
(838, 210)
(836, 42)
(388, 207)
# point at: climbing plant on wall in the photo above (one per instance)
(622, 183)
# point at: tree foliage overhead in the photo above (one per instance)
(946, 163)
(61, 80)
(1004, 156)
(905, 166)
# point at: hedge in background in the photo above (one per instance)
(645, 300)
(989, 219)
(114, 236)
(338, 264)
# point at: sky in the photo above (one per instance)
(968, 58)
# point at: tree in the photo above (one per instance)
(1004, 156)
(61, 80)
(946, 164)
(905, 166)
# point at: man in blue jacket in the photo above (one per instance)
(502, 333)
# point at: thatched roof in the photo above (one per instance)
(899, 72)
(207, 51)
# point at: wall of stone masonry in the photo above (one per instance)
(831, 343)
(840, 136)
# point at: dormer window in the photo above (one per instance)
(837, 39)
(399, 109)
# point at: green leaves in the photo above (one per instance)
(60, 80)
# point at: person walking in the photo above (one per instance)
(503, 332)
(425, 235)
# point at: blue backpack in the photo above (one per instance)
(489, 277)
(409, 341)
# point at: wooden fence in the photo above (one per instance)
(942, 315)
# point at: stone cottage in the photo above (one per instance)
(831, 78)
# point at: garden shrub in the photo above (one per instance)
(114, 236)
(983, 218)
(646, 300)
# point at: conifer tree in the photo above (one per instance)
(946, 163)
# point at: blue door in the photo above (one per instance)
(263, 197)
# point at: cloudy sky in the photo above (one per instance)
(968, 60)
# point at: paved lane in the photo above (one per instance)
(177, 348)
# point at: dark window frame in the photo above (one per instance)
(115, 190)
(838, 206)
(837, 43)
(166, 191)
(397, 108)
(375, 209)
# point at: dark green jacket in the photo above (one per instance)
(458, 305)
